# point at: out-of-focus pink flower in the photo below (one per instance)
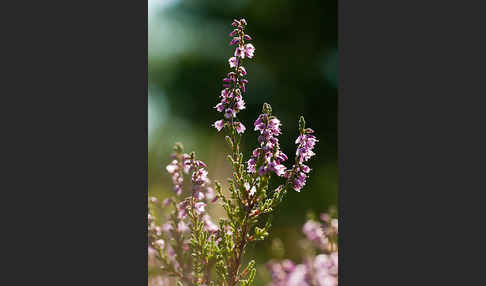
(174, 170)
(199, 207)
(166, 227)
(182, 227)
(209, 224)
(160, 243)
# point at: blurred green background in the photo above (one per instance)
(295, 70)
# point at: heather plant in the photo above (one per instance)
(190, 246)
(319, 265)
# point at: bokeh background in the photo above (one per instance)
(295, 70)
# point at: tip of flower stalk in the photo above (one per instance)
(267, 108)
(178, 147)
(301, 124)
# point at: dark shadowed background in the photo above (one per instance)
(294, 69)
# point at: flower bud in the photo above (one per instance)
(302, 124)
(267, 108)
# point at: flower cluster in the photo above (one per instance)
(234, 84)
(201, 189)
(158, 250)
(321, 270)
(188, 246)
(159, 281)
(175, 170)
(322, 235)
(170, 243)
(268, 157)
(202, 192)
(306, 142)
(315, 270)
(186, 163)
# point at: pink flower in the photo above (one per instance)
(166, 202)
(240, 104)
(211, 195)
(259, 124)
(219, 125)
(219, 107)
(251, 165)
(233, 62)
(200, 176)
(249, 50)
(305, 168)
(172, 167)
(299, 181)
(181, 209)
(199, 207)
(187, 163)
(160, 243)
(274, 126)
(166, 227)
(198, 195)
(242, 71)
(297, 277)
(224, 93)
(279, 170)
(228, 113)
(182, 227)
(234, 41)
(239, 52)
(256, 152)
(158, 230)
(325, 217)
(240, 128)
(177, 180)
(209, 224)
